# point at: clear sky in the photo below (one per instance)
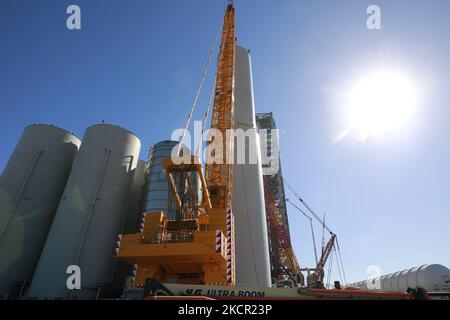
(138, 63)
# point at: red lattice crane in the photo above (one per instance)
(283, 257)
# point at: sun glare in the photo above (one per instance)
(380, 103)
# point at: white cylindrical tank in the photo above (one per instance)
(132, 224)
(432, 277)
(251, 243)
(30, 189)
(133, 218)
(90, 215)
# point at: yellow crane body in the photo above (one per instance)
(197, 248)
(190, 250)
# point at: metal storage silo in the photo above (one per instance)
(252, 248)
(90, 215)
(132, 223)
(157, 195)
(30, 189)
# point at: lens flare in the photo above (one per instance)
(380, 103)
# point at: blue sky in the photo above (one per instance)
(138, 63)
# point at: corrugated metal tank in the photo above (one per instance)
(90, 215)
(30, 189)
(432, 277)
(251, 249)
(157, 195)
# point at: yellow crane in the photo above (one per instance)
(198, 248)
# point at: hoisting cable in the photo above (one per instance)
(205, 120)
(323, 234)
(312, 229)
(314, 240)
(340, 258)
(337, 263)
(202, 81)
(330, 268)
(337, 251)
(306, 206)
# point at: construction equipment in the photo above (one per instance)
(192, 257)
(311, 227)
(316, 278)
(197, 248)
(285, 264)
(154, 290)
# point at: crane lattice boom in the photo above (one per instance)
(219, 170)
(284, 259)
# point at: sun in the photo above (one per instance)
(379, 103)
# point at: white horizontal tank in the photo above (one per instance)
(432, 277)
